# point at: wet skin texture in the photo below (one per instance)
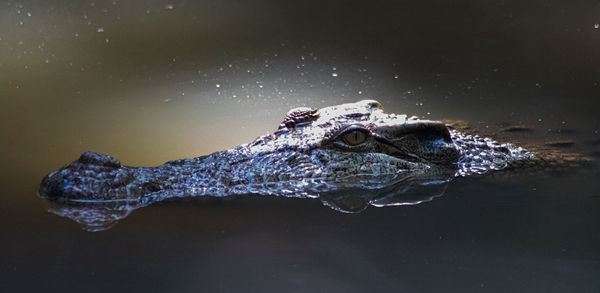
(353, 145)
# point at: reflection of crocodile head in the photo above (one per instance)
(334, 151)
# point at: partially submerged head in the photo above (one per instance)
(354, 144)
(362, 128)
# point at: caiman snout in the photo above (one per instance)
(93, 176)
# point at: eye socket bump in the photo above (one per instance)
(354, 137)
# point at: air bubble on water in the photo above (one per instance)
(597, 25)
(396, 76)
(100, 29)
(539, 119)
(106, 40)
(169, 6)
(217, 85)
(334, 74)
(29, 14)
(334, 68)
(360, 92)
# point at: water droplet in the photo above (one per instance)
(597, 25)
(334, 74)
(29, 14)
(100, 30)
(360, 92)
(106, 40)
(396, 76)
(169, 6)
(217, 85)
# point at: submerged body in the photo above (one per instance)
(327, 153)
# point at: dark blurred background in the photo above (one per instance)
(151, 81)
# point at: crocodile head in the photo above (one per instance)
(354, 143)
(335, 153)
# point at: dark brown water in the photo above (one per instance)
(153, 81)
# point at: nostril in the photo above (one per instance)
(98, 159)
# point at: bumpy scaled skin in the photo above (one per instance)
(346, 146)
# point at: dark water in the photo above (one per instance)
(153, 81)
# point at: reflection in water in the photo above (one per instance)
(92, 216)
(96, 216)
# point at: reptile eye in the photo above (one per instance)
(355, 137)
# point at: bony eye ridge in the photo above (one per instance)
(354, 137)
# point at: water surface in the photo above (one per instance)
(153, 81)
